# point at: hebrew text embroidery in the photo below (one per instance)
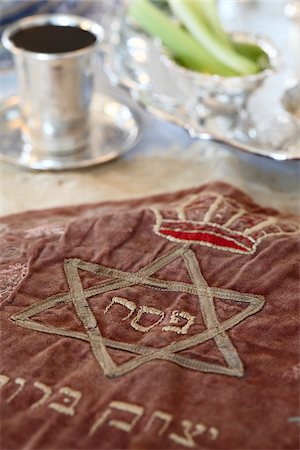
(117, 279)
(120, 415)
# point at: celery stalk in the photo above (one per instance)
(187, 13)
(207, 9)
(182, 45)
(209, 12)
(253, 52)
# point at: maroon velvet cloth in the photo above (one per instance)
(166, 322)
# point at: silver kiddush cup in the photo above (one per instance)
(55, 88)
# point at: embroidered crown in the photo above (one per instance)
(216, 221)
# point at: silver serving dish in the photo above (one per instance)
(208, 106)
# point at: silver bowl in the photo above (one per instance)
(221, 102)
(210, 102)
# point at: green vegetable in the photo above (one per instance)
(208, 14)
(253, 52)
(182, 45)
(207, 10)
(161, 4)
(198, 41)
(189, 15)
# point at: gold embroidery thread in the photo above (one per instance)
(119, 279)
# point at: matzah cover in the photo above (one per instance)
(169, 322)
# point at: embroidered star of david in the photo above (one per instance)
(118, 279)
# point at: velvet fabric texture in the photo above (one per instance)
(161, 323)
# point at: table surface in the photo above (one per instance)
(166, 159)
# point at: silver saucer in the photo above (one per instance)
(116, 126)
